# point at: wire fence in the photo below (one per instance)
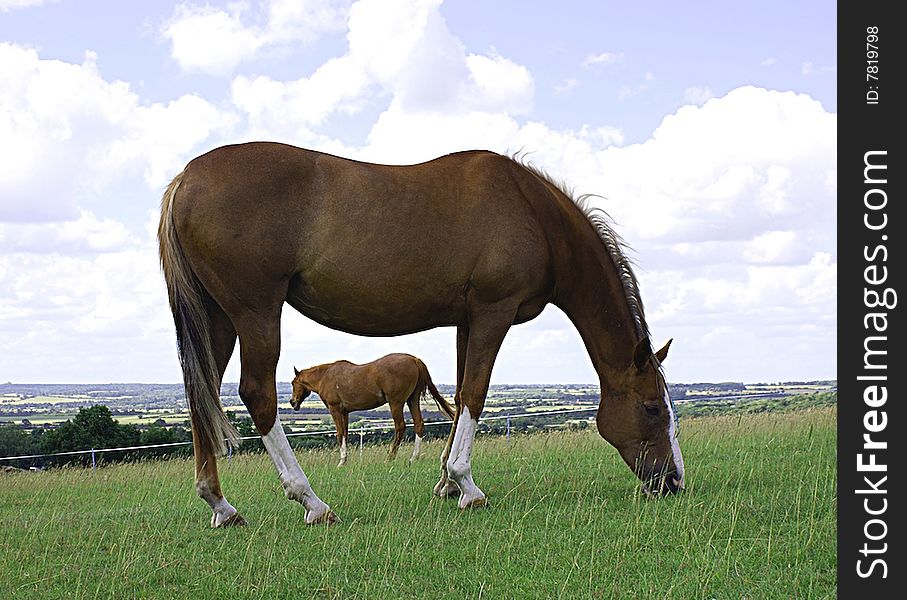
(362, 430)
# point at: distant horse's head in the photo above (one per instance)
(637, 417)
(300, 390)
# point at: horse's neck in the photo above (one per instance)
(314, 377)
(596, 303)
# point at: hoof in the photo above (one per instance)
(448, 489)
(234, 520)
(328, 518)
(480, 502)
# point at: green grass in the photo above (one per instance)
(566, 521)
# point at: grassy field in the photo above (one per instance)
(565, 521)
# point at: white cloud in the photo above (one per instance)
(728, 169)
(730, 203)
(398, 50)
(67, 133)
(209, 39)
(87, 234)
(603, 58)
(566, 87)
(697, 95)
(772, 247)
(627, 91)
(214, 40)
(7, 5)
(498, 85)
(80, 314)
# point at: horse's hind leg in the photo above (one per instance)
(207, 482)
(259, 339)
(399, 428)
(339, 420)
(418, 425)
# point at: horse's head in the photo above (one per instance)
(637, 417)
(300, 390)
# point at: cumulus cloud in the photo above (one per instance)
(729, 204)
(68, 132)
(399, 50)
(216, 40)
(84, 235)
(87, 303)
(726, 170)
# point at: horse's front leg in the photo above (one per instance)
(486, 334)
(258, 391)
(446, 488)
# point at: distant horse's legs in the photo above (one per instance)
(337, 416)
(207, 482)
(446, 488)
(399, 427)
(345, 420)
(486, 333)
(418, 425)
(259, 339)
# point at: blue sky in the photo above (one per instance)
(708, 127)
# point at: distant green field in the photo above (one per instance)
(566, 520)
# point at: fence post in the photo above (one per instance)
(361, 434)
(229, 451)
(508, 429)
(93, 462)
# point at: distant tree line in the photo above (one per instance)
(92, 427)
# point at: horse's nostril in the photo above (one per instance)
(672, 484)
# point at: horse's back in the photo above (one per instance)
(361, 247)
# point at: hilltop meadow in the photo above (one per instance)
(566, 520)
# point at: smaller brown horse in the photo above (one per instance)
(395, 379)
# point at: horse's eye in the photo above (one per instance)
(652, 410)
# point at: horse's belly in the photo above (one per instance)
(368, 308)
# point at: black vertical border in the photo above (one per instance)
(865, 127)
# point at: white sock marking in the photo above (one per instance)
(417, 450)
(459, 464)
(223, 510)
(295, 483)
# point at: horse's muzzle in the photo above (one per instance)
(663, 484)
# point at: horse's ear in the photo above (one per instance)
(296, 371)
(662, 354)
(642, 353)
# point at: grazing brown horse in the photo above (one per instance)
(395, 380)
(473, 240)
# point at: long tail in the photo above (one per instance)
(443, 405)
(200, 375)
